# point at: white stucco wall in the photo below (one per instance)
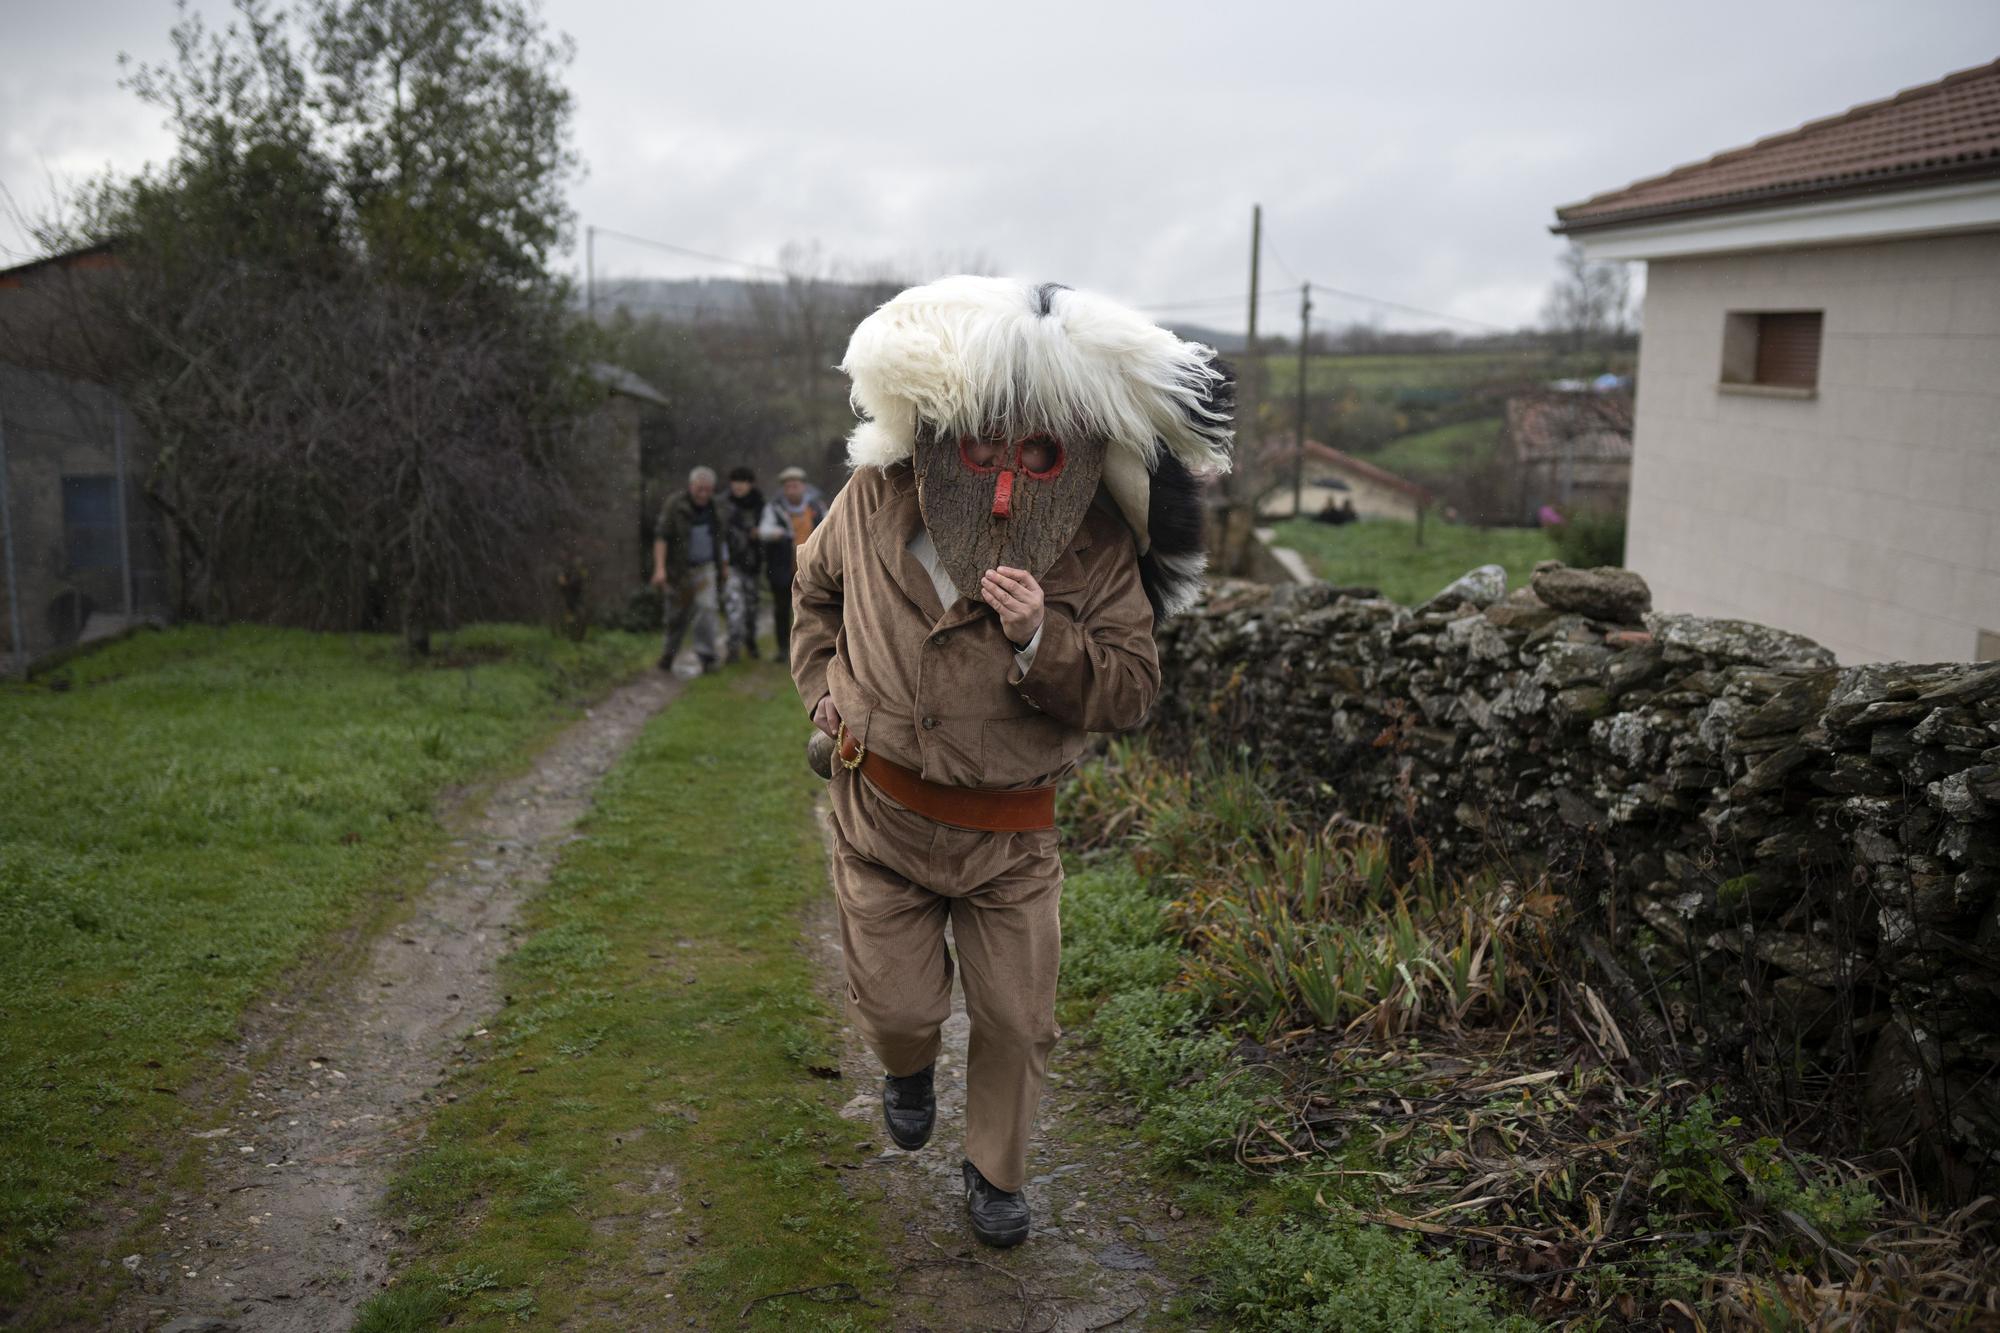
(1868, 516)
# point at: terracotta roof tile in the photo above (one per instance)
(1285, 451)
(1941, 131)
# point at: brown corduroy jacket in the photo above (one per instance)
(935, 688)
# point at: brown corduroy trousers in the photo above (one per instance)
(898, 878)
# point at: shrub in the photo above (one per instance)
(1590, 538)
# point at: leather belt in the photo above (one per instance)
(1024, 811)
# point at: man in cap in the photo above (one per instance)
(981, 596)
(788, 520)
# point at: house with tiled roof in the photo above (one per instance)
(1333, 479)
(1564, 449)
(1817, 432)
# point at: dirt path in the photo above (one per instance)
(1103, 1248)
(283, 1236)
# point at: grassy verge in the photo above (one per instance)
(1387, 373)
(1287, 1253)
(1384, 554)
(1436, 455)
(1404, 1104)
(650, 1134)
(184, 813)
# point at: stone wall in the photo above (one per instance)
(1796, 862)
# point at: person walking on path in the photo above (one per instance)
(746, 558)
(973, 605)
(786, 523)
(690, 561)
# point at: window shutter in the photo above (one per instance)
(1788, 348)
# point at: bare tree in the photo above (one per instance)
(1590, 304)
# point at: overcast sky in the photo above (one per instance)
(1412, 152)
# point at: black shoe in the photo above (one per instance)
(909, 1108)
(999, 1218)
(667, 665)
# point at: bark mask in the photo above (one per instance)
(991, 500)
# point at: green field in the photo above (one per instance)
(1419, 373)
(1448, 451)
(185, 814)
(653, 1134)
(1383, 553)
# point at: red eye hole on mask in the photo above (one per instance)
(1038, 457)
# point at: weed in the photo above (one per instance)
(1302, 1276)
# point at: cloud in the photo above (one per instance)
(1415, 153)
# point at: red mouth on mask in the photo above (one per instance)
(1037, 457)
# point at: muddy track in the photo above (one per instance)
(284, 1235)
(1105, 1242)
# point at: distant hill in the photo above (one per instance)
(681, 300)
(1228, 344)
(730, 300)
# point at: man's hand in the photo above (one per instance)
(659, 578)
(1017, 597)
(826, 717)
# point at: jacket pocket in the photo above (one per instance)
(1017, 750)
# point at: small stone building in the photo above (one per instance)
(82, 556)
(1817, 442)
(1337, 479)
(1568, 449)
(83, 553)
(604, 476)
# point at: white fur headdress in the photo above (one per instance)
(968, 355)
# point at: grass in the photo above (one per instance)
(185, 814)
(660, 1067)
(1436, 455)
(1383, 553)
(1283, 1255)
(1420, 374)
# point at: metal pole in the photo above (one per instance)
(124, 530)
(20, 642)
(1299, 457)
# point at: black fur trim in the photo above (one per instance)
(1170, 569)
(1173, 521)
(1214, 415)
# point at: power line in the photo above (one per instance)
(1409, 309)
(692, 254)
(1297, 281)
(1192, 302)
(1384, 302)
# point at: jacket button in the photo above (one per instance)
(938, 639)
(929, 723)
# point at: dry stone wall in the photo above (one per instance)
(1798, 863)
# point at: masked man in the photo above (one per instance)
(982, 594)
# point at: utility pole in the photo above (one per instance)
(1299, 457)
(1255, 359)
(590, 272)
